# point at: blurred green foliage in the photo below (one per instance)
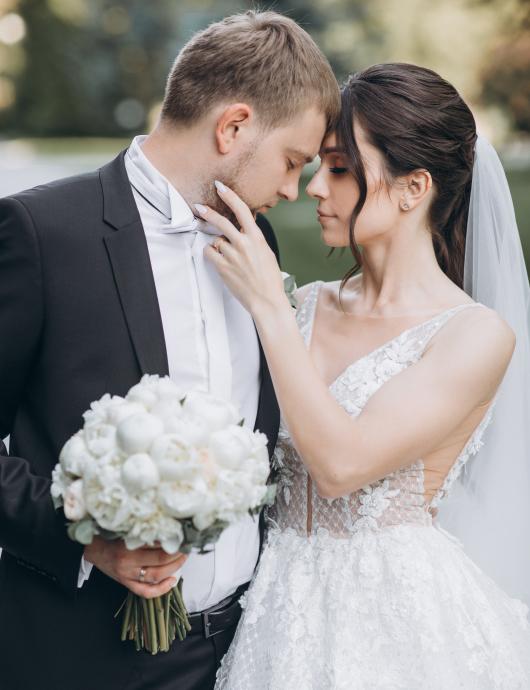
(98, 67)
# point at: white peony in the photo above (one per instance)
(118, 413)
(139, 473)
(99, 437)
(74, 502)
(137, 433)
(74, 455)
(216, 413)
(195, 431)
(175, 458)
(232, 446)
(184, 501)
(143, 464)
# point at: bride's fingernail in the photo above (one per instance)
(202, 210)
(220, 186)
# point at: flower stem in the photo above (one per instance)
(161, 624)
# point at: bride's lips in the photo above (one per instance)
(321, 215)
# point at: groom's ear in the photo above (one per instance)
(233, 127)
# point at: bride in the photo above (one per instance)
(387, 383)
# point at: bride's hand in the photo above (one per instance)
(243, 258)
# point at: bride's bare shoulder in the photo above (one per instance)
(482, 333)
(333, 295)
(329, 291)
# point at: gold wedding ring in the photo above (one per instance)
(217, 244)
(143, 573)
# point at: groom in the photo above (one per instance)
(102, 279)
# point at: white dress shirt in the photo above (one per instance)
(211, 345)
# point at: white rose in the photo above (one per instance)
(137, 433)
(217, 413)
(139, 473)
(231, 447)
(74, 455)
(74, 502)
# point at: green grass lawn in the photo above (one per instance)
(304, 254)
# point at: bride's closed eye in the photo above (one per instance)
(337, 170)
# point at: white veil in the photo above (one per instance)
(489, 507)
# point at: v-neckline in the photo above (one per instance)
(312, 314)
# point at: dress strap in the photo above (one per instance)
(427, 330)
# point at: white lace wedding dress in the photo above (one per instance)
(365, 592)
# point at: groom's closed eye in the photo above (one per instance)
(300, 158)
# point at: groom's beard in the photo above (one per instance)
(231, 179)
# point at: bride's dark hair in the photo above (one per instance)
(417, 120)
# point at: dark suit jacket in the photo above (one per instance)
(79, 317)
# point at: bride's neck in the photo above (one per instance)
(400, 276)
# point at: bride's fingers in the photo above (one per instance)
(240, 209)
(217, 259)
(219, 222)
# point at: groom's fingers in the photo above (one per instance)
(150, 591)
(155, 574)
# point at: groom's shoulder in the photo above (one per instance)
(74, 196)
(66, 190)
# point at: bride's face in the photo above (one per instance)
(337, 193)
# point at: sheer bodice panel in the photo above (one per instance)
(395, 499)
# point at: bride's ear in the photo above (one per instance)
(233, 125)
(418, 185)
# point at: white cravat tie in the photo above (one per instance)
(180, 219)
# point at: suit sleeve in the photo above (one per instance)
(268, 232)
(30, 528)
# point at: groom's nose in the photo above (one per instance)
(289, 191)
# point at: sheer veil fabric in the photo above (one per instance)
(489, 507)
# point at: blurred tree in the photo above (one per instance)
(505, 77)
(98, 67)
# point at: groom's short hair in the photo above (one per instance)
(261, 58)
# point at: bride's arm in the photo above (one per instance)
(405, 420)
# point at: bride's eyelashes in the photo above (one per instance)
(338, 171)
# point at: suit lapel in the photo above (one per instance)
(133, 275)
(131, 267)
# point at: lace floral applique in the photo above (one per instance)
(374, 499)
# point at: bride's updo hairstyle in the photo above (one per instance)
(417, 120)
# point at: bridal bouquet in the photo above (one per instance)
(160, 468)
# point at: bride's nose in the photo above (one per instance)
(317, 187)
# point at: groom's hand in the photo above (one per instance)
(147, 572)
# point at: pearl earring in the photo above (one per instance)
(405, 206)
